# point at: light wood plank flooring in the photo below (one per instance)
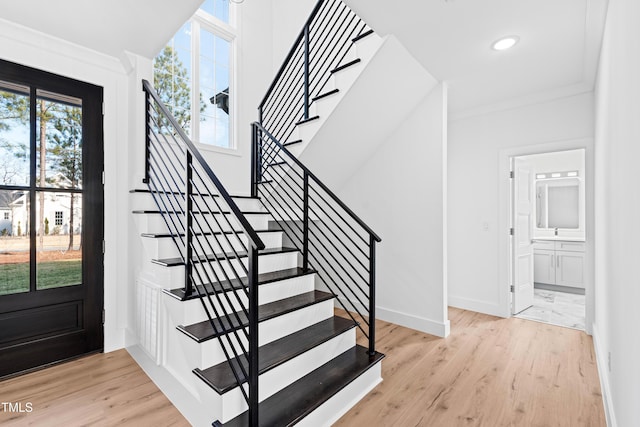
(488, 372)
(97, 390)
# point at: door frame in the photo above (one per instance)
(504, 219)
(93, 195)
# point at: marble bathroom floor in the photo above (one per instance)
(556, 308)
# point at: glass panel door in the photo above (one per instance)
(51, 218)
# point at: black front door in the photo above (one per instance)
(51, 218)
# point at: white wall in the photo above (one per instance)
(617, 213)
(400, 192)
(288, 18)
(37, 50)
(476, 145)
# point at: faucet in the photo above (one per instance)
(556, 231)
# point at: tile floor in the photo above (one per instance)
(556, 308)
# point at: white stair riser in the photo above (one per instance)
(324, 106)
(209, 353)
(173, 277)
(165, 247)
(154, 223)
(188, 312)
(232, 403)
(144, 201)
(365, 48)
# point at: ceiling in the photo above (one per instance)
(110, 27)
(557, 53)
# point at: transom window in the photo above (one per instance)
(193, 75)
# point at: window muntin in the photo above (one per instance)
(217, 8)
(199, 61)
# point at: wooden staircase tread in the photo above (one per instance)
(297, 141)
(145, 190)
(229, 285)
(362, 36)
(307, 120)
(220, 377)
(216, 233)
(346, 65)
(291, 404)
(324, 95)
(281, 163)
(203, 331)
(177, 261)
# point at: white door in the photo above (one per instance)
(522, 245)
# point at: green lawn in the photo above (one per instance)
(15, 277)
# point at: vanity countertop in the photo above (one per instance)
(559, 239)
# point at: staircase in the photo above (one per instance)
(249, 285)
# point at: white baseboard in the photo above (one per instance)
(440, 329)
(603, 373)
(476, 305)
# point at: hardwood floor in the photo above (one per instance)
(97, 390)
(488, 372)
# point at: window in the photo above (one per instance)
(6, 215)
(58, 217)
(194, 75)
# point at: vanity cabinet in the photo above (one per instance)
(558, 263)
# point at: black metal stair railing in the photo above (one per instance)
(323, 43)
(333, 240)
(213, 237)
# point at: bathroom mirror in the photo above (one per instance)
(558, 203)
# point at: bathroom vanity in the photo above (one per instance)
(559, 262)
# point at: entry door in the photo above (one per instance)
(51, 218)
(522, 245)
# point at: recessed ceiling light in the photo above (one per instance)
(505, 43)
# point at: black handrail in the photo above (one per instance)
(320, 183)
(256, 242)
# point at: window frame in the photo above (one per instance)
(201, 20)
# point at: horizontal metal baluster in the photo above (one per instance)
(339, 216)
(217, 240)
(342, 52)
(290, 82)
(285, 87)
(283, 122)
(339, 228)
(340, 252)
(204, 260)
(324, 247)
(228, 222)
(319, 272)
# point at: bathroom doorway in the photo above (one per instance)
(548, 237)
